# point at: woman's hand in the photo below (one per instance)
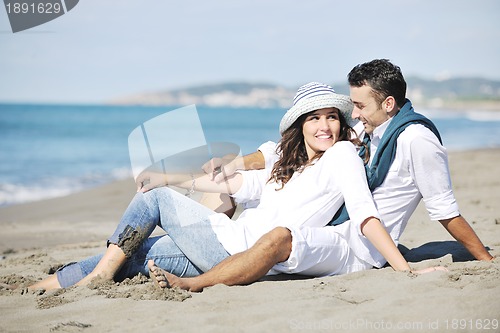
(430, 270)
(220, 168)
(213, 167)
(148, 180)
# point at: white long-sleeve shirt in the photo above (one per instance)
(310, 198)
(419, 170)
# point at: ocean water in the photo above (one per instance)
(53, 150)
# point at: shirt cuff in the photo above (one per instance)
(442, 207)
(268, 149)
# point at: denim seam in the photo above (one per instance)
(135, 227)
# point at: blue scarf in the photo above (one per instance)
(377, 171)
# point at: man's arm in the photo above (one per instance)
(239, 269)
(378, 236)
(432, 176)
(460, 229)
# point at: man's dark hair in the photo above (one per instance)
(383, 77)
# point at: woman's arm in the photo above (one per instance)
(378, 236)
(197, 182)
(219, 168)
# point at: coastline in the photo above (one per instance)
(38, 235)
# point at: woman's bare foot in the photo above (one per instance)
(110, 263)
(49, 283)
(164, 279)
(8, 286)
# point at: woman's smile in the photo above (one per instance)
(321, 129)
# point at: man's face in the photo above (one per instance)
(367, 109)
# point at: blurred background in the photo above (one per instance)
(72, 89)
(102, 50)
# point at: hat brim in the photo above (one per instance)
(341, 102)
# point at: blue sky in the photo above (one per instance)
(104, 49)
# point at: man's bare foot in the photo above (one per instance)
(164, 279)
(158, 275)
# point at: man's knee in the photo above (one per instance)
(279, 243)
(281, 235)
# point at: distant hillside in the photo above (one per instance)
(235, 94)
(458, 93)
(455, 93)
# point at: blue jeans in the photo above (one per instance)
(190, 247)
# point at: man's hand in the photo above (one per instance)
(220, 168)
(213, 166)
(148, 180)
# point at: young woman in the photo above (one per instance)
(317, 171)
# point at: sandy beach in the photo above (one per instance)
(38, 237)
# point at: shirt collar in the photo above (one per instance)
(379, 131)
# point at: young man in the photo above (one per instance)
(407, 164)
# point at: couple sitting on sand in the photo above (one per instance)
(329, 203)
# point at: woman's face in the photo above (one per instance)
(321, 129)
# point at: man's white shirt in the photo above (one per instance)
(419, 171)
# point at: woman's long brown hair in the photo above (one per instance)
(292, 149)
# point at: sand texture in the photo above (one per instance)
(37, 238)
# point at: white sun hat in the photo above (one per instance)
(314, 96)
